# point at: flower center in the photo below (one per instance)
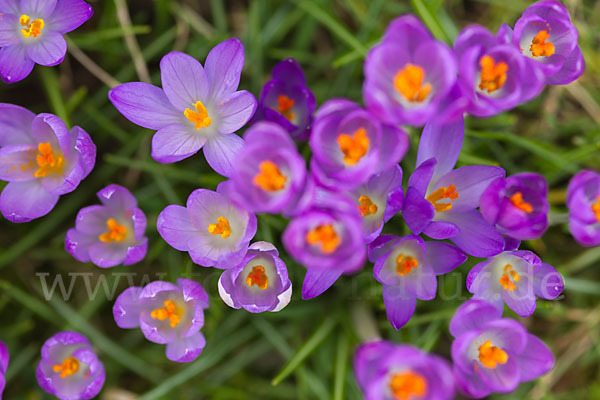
(493, 74)
(490, 355)
(326, 236)
(47, 161)
(258, 277)
(169, 311)
(69, 367)
(541, 47)
(269, 178)
(596, 208)
(509, 278)
(517, 201)
(367, 207)
(404, 264)
(441, 194)
(200, 117)
(354, 147)
(32, 28)
(284, 106)
(409, 83)
(407, 385)
(115, 232)
(222, 228)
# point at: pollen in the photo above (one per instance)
(407, 386)
(493, 74)
(31, 28)
(258, 277)
(326, 236)
(517, 201)
(441, 194)
(405, 264)
(48, 161)
(284, 106)
(490, 356)
(367, 207)
(270, 178)
(221, 228)
(354, 147)
(541, 46)
(510, 278)
(409, 83)
(199, 117)
(596, 208)
(169, 311)
(69, 367)
(115, 232)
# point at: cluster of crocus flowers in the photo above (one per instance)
(41, 159)
(583, 201)
(31, 32)
(109, 234)
(4, 359)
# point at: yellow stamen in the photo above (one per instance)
(31, 29)
(326, 235)
(284, 106)
(493, 75)
(354, 147)
(222, 228)
(541, 47)
(200, 117)
(169, 311)
(258, 277)
(407, 386)
(409, 83)
(596, 208)
(367, 207)
(440, 194)
(115, 232)
(517, 201)
(270, 177)
(47, 161)
(404, 264)
(490, 355)
(69, 367)
(509, 279)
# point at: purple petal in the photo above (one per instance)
(107, 255)
(463, 361)
(547, 282)
(136, 253)
(183, 80)
(10, 6)
(221, 151)
(441, 230)
(399, 305)
(417, 211)
(227, 290)
(394, 145)
(535, 360)
(117, 198)
(522, 299)
(15, 125)
(17, 162)
(476, 237)
(223, 67)
(175, 226)
(443, 257)
(472, 315)
(381, 247)
(192, 290)
(39, 8)
(127, 308)
(70, 15)
(504, 378)
(235, 111)
(421, 177)
(442, 142)
(78, 244)
(49, 50)
(9, 36)
(186, 349)
(15, 65)
(176, 142)
(317, 281)
(470, 181)
(571, 70)
(4, 359)
(290, 72)
(24, 201)
(92, 220)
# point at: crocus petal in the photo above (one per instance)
(136, 253)
(522, 299)
(317, 281)
(15, 65)
(235, 111)
(8, 33)
(472, 315)
(117, 197)
(127, 308)
(221, 151)
(504, 378)
(421, 177)
(192, 290)
(417, 211)
(394, 145)
(443, 257)
(571, 70)
(186, 349)
(176, 142)
(547, 282)
(535, 360)
(78, 244)
(49, 50)
(106, 255)
(175, 226)
(39, 8)
(223, 67)
(399, 305)
(441, 230)
(69, 15)
(4, 358)
(442, 142)
(476, 236)
(10, 6)
(463, 361)
(15, 125)
(183, 80)
(17, 162)
(24, 201)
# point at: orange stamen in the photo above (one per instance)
(596, 208)
(200, 117)
(509, 279)
(48, 161)
(258, 277)
(326, 236)
(440, 194)
(493, 75)
(407, 386)
(69, 367)
(222, 228)
(404, 264)
(541, 47)
(32, 28)
(270, 177)
(367, 207)
(490, 355)
(354, 147)
(284, 106)
(115, 232)
(169, 311)
(409, 83)
(517, 201)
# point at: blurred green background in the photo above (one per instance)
(305, 351)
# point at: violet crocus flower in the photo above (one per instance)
(210, 228)
(69, 368)
(111, 233)
(31, 32)
(41, 159)
(167, 313)
(259, 283)
(494, 76)
(493, 354)
(514, 278)
(197, 107)
(583, 201)
(350, 145)
(389, 371)
(4, 359)
(407, 267)
(442, 202)
(287, 101)
(517, 205)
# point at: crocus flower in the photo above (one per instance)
(493, 354)
(69, 368)
(389, 371)
(407, 267)
(259, 283)
(494, 75)
(31, 32)
(441, 201)
(4, 359)
(583, 201)
(350, 145)
(287, 101)
(408, 74)
(111, 233)
(196, 108)
(517, 205)
(41, 159)
(514, 278)
(167, 314)
(210, 228)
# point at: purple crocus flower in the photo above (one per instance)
(287, 101)
(494, 75)
(69, 368)
(407, 267)
(378, 200)
(167, 314)
(111, 233)
(349, 145)
(517, 205)
(31, 32)
(493, 354)
(4, 359)
(583, 201)
(441, 201)
(210, 228)
(389, 371)
(259, 283)
(514, 278)
(41, 159)
(196, 108)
